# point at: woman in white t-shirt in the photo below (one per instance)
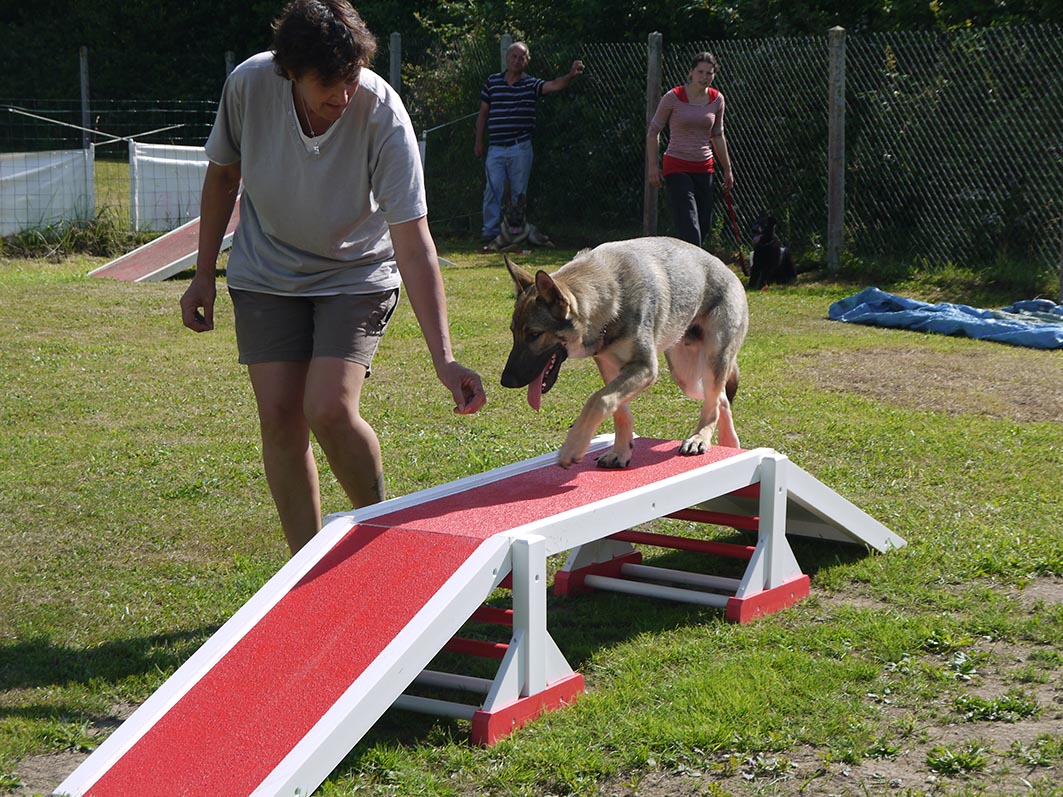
(696, 148)
(332, 220)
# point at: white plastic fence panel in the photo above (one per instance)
(40, 189)
(164, 185)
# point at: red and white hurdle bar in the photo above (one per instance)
(772, 580)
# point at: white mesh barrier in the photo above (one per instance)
(41, 189)
(164, 185)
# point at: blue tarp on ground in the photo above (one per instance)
(1037, 323)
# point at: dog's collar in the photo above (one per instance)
(601, 340)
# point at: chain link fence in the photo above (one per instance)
(953, 142)
(955, 145)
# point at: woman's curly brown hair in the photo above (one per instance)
(326, 37)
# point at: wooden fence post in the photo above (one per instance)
(836, 151)
(86, 117)
(653, 97)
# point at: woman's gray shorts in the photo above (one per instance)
(272, 328)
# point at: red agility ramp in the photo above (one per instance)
(281, 693)
(165, 256)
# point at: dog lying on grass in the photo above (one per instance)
(516, 231)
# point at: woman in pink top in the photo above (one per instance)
(696, 146)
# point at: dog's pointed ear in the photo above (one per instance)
(521, 277)
(550, 293)
(521, 201)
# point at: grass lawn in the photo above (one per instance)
(135, 519)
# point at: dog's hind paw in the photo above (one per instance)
(613, 461)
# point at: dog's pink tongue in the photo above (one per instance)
(535, 392)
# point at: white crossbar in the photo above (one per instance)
(440, 708)
(703, 581)
(450, 680)
(656, 591)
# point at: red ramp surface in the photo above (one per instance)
(232, 725)
(164, 257)
(548, 492)
(244, 716)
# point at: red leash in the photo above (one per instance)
(734, 218)
(742, 264)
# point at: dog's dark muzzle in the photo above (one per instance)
(521, 369)
(538, 373)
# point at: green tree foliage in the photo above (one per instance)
(630, 20)
(150, 50)
(137, 49)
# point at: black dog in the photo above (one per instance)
(771, 261)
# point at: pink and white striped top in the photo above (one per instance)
(691, 128)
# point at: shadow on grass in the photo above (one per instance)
(40, 662)
(583, 625)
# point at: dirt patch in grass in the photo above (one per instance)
(996, 381)
(805, 772)
(1017, 755)
(42, 774)
(1042, 590)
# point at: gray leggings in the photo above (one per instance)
(690, 199)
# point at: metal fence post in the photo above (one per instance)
(655, 48)
(83, 57)
(836, 150)
(395, 65)
(230, 62)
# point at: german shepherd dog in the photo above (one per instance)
(623, 303)
(516, 232)
(770, 261)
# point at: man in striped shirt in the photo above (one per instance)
(507, 110)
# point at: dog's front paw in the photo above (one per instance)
(693, 445)
(572, 451)
(568, 460)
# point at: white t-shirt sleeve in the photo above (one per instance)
(223, 144)
(396, 176)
